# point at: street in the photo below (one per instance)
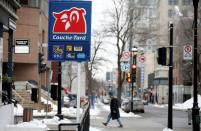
(154, 119)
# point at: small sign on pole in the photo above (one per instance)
(125, 66)
(141, 58)
(187, 52)
(125, 56)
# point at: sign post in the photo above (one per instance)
(187, 52)
(69, 36)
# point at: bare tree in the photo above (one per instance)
(71, 75)
(96, 61)
(123, 16)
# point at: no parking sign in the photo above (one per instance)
(187, 52)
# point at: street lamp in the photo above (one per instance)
(134, 51)
(195, 109)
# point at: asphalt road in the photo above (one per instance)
(154, 119)
(160, 115)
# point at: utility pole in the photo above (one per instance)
(170, 78)
(195, 109)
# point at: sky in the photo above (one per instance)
(99, 9)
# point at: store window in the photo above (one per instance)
(173, 2)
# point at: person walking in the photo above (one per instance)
(114, 111)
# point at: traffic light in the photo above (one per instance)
(41, 63)
(134, 68)
(128, 77)
(162, 55)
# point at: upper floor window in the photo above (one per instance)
(30, 3)
(186, 2)
(173, 2)
(170, 13)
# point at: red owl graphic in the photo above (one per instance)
(70, 21)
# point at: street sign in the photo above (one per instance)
(22, 46)
(69, 36)
(125, 56)
(187, 52)
(125, 66)
(141, 58)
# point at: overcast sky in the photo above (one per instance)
(99, 9)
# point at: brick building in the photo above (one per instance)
(30, 38)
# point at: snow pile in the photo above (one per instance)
(18, 110)
(167, 129)
(94, 129)
(160, 106)
(94, 112)
(34, 125)
(55, 121)
(187, 104)
(122, 113)
(71, 112)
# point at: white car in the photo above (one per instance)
(138, 105)
(106, 100)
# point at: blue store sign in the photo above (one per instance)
(69, 30)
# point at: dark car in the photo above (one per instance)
(138, 105)
(70, 100)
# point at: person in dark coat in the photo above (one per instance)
(114, 110)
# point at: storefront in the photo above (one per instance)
(8, 17)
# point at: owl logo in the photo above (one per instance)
(70, 21)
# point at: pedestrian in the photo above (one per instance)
(114, 110)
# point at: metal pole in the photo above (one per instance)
(78, 91)
(1, 55)
(170, 97)
(132, 94)
(195, 109)
(59, 92)
(10, 61)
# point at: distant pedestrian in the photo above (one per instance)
(114, 110)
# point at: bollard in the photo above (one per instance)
(189, 116)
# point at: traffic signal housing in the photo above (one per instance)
(162, 56)
(134, 68)
(41, 63)
(128, 77)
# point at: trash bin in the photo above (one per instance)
(27, 114)
(189, 116)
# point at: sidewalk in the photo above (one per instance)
(130, 123)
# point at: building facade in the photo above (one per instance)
(175, 11)
(8, 18)
(30, 38)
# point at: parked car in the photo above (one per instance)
(106, 99)
(138, 105)
(70, 100)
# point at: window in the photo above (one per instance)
(30, 3)
(173, 2)
(24, 2)
(170, 13)
(186, 2)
